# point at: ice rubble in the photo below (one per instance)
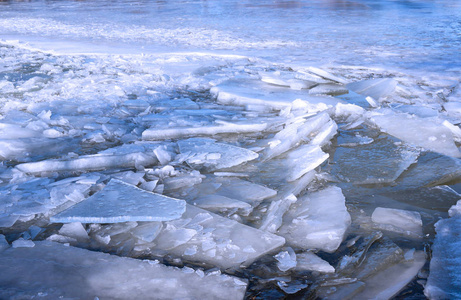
(54, 270)
(444, 276)
(122, 202)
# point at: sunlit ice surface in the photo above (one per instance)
(313, 147)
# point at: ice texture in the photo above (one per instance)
(374, 88)
(54, 270)
(89, 162)
(308, 261)
(213, 156)
(444, 276)
(154, 134)
(398, 220)
(122, 202)
(428, 133)
(318, 220)
(254, 93)
(214, 239)
(381, 161)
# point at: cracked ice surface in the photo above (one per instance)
(121, 202)
(54, 270)
(269, 133)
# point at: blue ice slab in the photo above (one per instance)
(122, 202)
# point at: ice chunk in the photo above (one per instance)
(3, 243)
(308, 261)
(122, 202)
(317, 221)
(444, 280)
(300, 130)
(286, 79)
(205, 237)
(212, 155)
(256, 93)
(57, 271)
(328, 89)
(325, 74)
(428, 133)
(25, 149)
(88, 162)
(453, 108)
(147, 232)
(381, 161)
(218, 203)
(286, 259)
(245, 191)
(155, 134)
(74, 230)
(22, 243)
(387, 283)
(375, 88)
(398, 220)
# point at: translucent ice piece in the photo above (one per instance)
(245, 191)
(308, 261)
(398, 220)
(122, 202)
(328, 89)
(375, 88)
(293, 134)
(3, 243)
(286, 259)
(217, 241)
(379, 162)
(317, 221)
(55, 270)
(25, 149)
(218, 203)
(325, 74)
(89, 162)
(212, 155)
(444, 280)
(428, 133)
(154, 134)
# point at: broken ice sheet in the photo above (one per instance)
(130, 156)
(381, 161)
(429, 133)
(155, 133)
(260, 94)
(122, 202)
(398, 220)
(212, 155)
(317, 220)
(204, 237)
(375, 88)
(57, 271)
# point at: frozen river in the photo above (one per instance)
(293, 148)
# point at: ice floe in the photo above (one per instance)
(54, 270)
(121, 202)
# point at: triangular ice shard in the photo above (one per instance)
(122, 202)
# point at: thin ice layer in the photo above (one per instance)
(122, 202)
(428, 133)
(317, 221)
(375, 88)
(202, 236)
(381, 161)
(57, 271)
(212, 155)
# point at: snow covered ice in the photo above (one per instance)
(278, 143)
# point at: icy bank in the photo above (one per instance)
(53, 270)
